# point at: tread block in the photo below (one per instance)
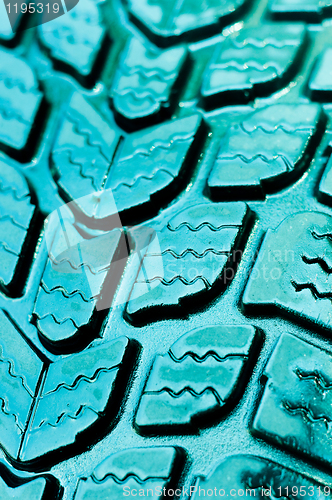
(301, 10)
(266, 150)
(240, 474)
(20, 101)
(320, 83)
(252, 62)
(197, 248)
(292, 272)
(45, 407)
(145, 82)
(17, 214)
(76, 41)
(202, 372)
(134, 469)
(167, 21)
(295, 409)
(150, 167)
(77, 288)
(153, 165)
(76, 394)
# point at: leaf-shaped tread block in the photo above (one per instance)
(77, 392)
(136, 468)
(145, 83)
(20, 373)
(77, 41)
(320, 83)
(20, 101)
(151, 165)
(167, 21)
(268, 150)
(301, 10)
(77, 288)
(253, 62)
(257, 477)
(83, 151)
(295, 409)
(292, 272)
(16, 220)
(197, 248)
(202, 372)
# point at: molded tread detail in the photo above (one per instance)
(150, 167)
(201, 373)
(255, 475)
(76, 41)
(308, 10)
(296, 257)
(166, 22)
(77, 288)
(17, 215)
(270, 148)
(140, 468)
(295, 409)
(145, 83)
(251, 63)
(165, 284)
(45, 407)
(20, 101)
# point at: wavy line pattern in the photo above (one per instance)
(142, 177)
(202, 225)
(66, 415)
(6, 412)
(127, 477)
(206, 356)
(318, 378)
(186, 390)
(145, 149)
(308, 414)
(183, 280)
(299, 287)
(76, 268)
(80, 379)
(253, 158)
(12, 373)
(189, 251)
(318, 260)
(262, 44)
(57, 321)
(12, 189)
(60, 288)
(232, 65)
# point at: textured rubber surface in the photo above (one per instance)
(180, 335)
